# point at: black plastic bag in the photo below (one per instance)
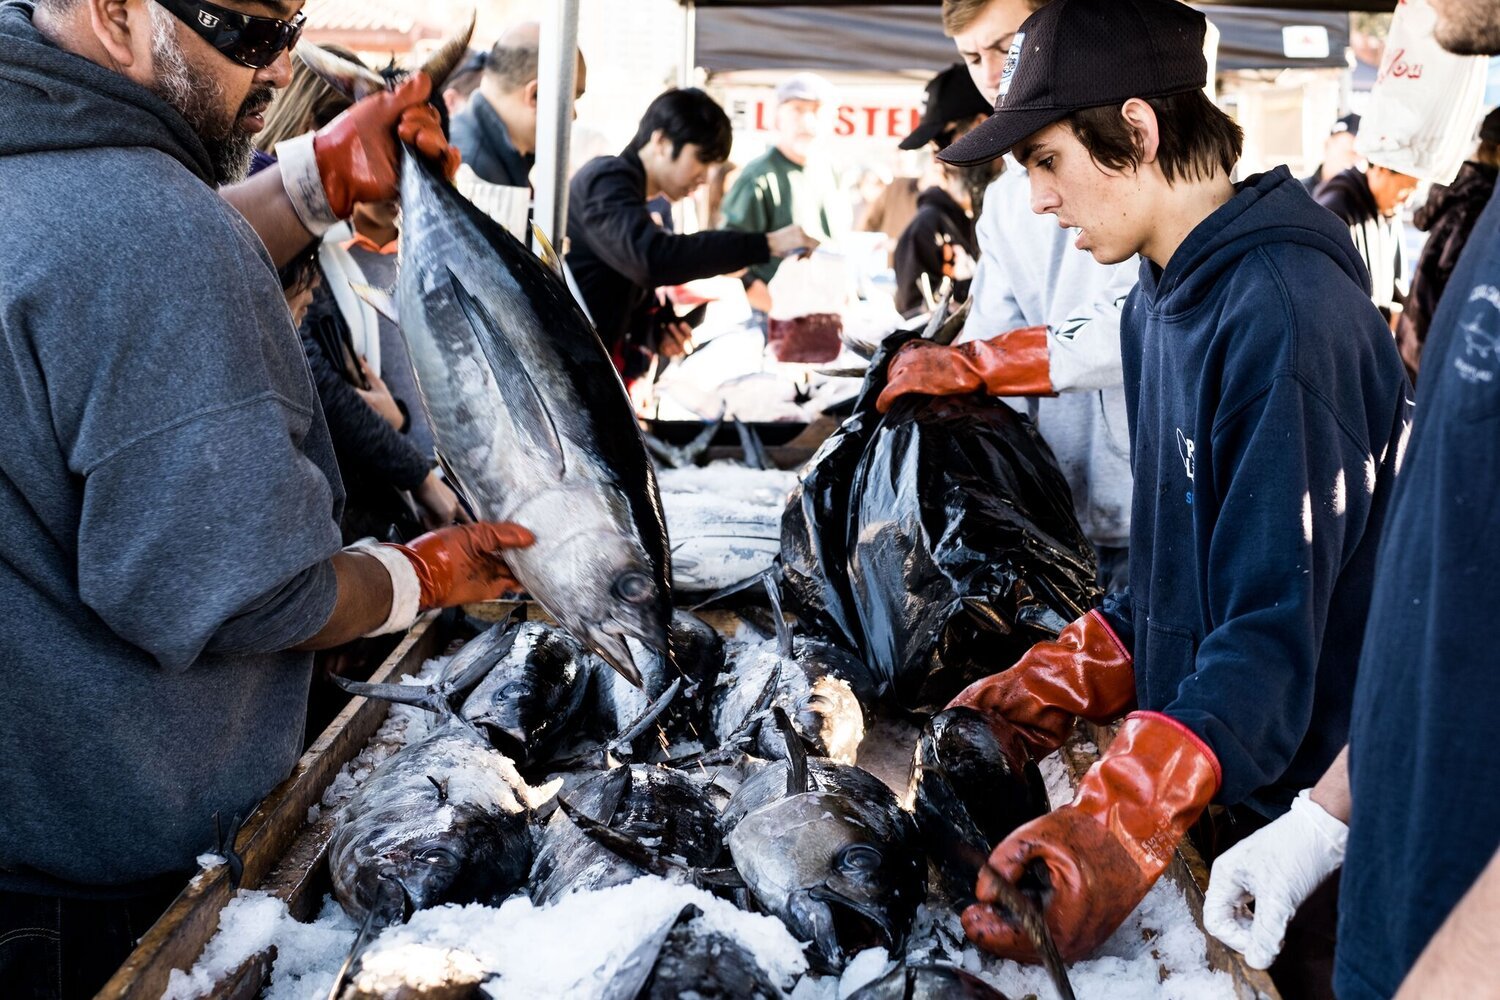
(938, 541)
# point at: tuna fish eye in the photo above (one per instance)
(634, 588)
(858, 858)
(439, 857)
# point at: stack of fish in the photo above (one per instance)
(582, 755)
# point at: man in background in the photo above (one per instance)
(496, 130)
(1369, 201)
(787, 185)
(1338, 153)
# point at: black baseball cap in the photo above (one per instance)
(1489, 129)
(1075, 54)
(1349, 123)
(951, 97)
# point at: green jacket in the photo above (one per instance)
(773, 192)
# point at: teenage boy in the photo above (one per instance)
(1419, 914)
(1044, 321)
(619, 254)
(1266, 401)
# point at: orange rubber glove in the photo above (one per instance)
(1012, 364)
(465, 563)
(359, 152)
(1105, 850)
(1085, 672)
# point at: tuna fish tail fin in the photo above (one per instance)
(350, 79)
(778, 618)
(441, 64)
(798, 778)
(544, 247)
(691, 453)
(752, 446)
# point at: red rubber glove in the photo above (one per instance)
(1012, 364)
(359, 152)
(465, 563)
(1085, 672)
(1106, 849)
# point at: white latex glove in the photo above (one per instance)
(1277, 867)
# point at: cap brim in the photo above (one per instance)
(997, 134)
(920, 136)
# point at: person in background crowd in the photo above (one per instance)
(1259, 377)
(1369, 201)
(1338, 153)
(619, 253)
(1409, 810)
(940, 241)
(893, 211)
(496, 131)
(1044, 320)
(348, 345)
(462, 82)
(866, 190)
(1448, 218)
(787, 185)
(170, 514)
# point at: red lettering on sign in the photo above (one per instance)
(844, 125)
(760, 117)
(870, 115)
(1398, 67)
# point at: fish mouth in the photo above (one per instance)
(838, 927)
(612, 649)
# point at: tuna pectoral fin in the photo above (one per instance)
(430, 699)
(647, 717)
(783, 630)
(350, 79)
(752, 446)
(524, 402)
(648, 859)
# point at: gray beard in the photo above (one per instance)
(198, 100)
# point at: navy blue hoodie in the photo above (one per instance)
(1266, 402)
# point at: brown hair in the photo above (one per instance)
(306, 103)
(959, 14)
(1197, 139)
(1488, 153)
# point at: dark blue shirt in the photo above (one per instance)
(1266, 399)
(1426, 811)
(484, 142)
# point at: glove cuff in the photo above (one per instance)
(406, 587)
(304, 184)
(1015, 363)
(1334, 831)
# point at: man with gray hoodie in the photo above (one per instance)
(169, 501)
(1044, 327)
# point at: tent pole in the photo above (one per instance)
(557, 80)
(686, 75)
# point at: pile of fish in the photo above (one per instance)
(631, 738)
(734, 770)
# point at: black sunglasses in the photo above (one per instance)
(248, 40)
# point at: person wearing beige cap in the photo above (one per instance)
(787, 185)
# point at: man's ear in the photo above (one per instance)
(1141, 117)
(529, 93)
(123, 30)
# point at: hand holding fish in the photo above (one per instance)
(1105, 849)
(359, 152)
(465, 563)
(1013, 363)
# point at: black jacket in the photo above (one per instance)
(1448, 218)
(1376, 237)
(618, 254)
(368, 449)
(482, 139)
(931, 245)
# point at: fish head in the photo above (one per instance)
(464, 856)
(612, 595)
(834, 872)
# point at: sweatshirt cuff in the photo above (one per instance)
(303, 183)
(406, 589)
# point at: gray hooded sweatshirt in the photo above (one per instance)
(168, 492)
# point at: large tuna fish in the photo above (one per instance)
(529, 414)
